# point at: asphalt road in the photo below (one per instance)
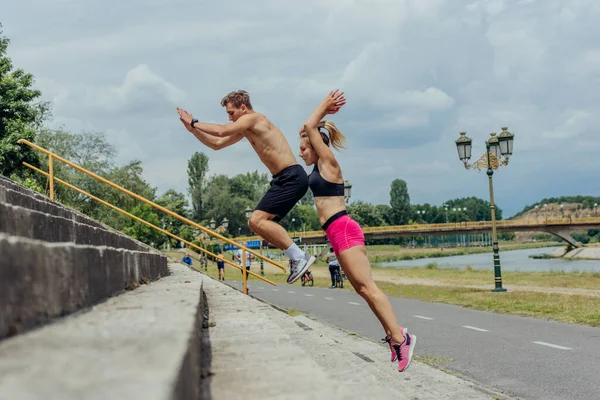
(525, 358)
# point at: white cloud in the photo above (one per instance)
(416, 72)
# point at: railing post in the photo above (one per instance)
(262, 268)
(244, 272)
(51, 172)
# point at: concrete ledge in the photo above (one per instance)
(17, 195)
(40, 281)
(191, 382)
(140, 345)
(259, 352)
(19, 221)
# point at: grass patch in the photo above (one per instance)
(433, 361)
(292, 312)
(431, 265)
(541, 256)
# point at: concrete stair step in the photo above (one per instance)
(20, 221)
(40, 281)
(145, 344)
(15, 194)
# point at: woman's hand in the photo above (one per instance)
(334, 101)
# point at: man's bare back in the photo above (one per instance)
(269, 143)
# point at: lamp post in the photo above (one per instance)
(421, 214)
(347, 191)
(498, 152)
(248, 214)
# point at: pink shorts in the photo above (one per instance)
(343, 232)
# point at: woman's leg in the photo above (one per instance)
(357, 268)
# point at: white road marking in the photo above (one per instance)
(328, 298)
(309, 295)
(553, 346)
(353, 303)
(422, 317)
(275, 290)
(289, 291)
(475, 329)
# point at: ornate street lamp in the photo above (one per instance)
(248, 212)
(463, 145)
(505, 140)
(225, 223)
(498, 151)
(212, 223)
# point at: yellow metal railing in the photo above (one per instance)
(451, 226)
(52, 178)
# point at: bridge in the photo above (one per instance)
(560, 227)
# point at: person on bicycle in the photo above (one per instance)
(334, 266)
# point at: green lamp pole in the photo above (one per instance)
(498, 151)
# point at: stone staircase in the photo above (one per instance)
(55, 261)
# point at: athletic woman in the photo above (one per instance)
(344, 234)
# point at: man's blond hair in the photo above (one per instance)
(237, 98)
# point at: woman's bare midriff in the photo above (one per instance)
(328, 206)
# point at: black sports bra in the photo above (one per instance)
(321, 188)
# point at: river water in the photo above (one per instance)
(514, 260)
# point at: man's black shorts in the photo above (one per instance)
(287, 188)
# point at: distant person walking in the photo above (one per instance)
(221, 265)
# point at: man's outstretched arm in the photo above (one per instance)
(215, 143)
(244, 123)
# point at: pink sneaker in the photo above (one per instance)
(390, 343)
(404, 351)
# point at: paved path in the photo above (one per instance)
(523, 357)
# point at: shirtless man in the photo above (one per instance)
(289, 183)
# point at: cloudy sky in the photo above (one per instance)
(416, 73)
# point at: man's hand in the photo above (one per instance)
(334, 101)
(187, 126)
(185, 116)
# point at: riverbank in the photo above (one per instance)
(390, 253)
(584, 253)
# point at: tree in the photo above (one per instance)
(399, 202)
(365, 214)
(20, 114)
(143, 232)
(197, 171)
(308, 199)
(477, 210)
(176, 202)
(89, 150)
(305, 217)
